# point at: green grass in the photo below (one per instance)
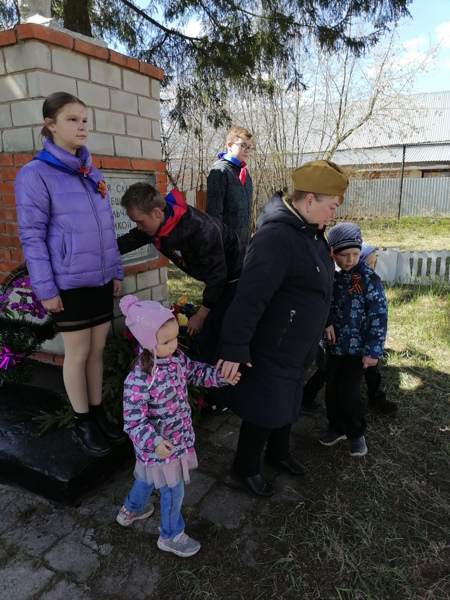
(181, 284)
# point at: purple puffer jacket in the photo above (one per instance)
(66, 227)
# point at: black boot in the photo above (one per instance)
(113, 433)
(87, 434)
(256, 485)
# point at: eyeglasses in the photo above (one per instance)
(244, 147)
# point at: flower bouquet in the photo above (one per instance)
(24, 327)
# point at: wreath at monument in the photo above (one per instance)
(24, 327)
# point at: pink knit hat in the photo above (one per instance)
(144, 318)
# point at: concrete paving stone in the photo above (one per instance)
(29, 540)
(211, 422)
(134, 581)
(90, 542)
(20, 581)
(233, 420)
(198, 488)
(226, 436)
(70, 555)
(214, 459)
(58, 522)
(226, 507)
(100, 509)
(11, 505)
(67, 591)
(3, 554)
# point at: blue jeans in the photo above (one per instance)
(171, 501)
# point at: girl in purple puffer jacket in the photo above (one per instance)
(157, 418)
(66, 228)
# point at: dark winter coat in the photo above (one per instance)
(278, 316)
(228, 200)
(66, 225)
(199, 245)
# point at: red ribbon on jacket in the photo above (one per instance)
(355, 284)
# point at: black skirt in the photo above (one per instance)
(85, 307)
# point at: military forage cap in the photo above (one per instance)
(320, 177)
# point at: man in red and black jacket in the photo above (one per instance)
(200, 245)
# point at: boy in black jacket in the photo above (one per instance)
(229, 189)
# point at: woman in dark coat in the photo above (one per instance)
(277, 317)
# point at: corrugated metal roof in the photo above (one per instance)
(414, 155)
(419, 155)
(411, 120)
(415, 119)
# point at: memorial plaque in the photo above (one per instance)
(117, 183)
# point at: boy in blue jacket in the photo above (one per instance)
(355, 338)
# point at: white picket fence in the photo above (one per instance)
(394, 266)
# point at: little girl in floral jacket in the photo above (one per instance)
(157, 417)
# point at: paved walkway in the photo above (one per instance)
(49, 553)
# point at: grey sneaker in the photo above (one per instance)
(181, 545)
(358, 446)
(126, 517)
(330, 438)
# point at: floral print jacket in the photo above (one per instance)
(359, 313)
(159, 410)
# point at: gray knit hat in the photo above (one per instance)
(344, 236)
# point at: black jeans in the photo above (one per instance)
(345, 406)
(252, 440)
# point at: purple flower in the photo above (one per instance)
(21, 307)
(21, 282)
(24, 293)
(9, 358)
(37, 310)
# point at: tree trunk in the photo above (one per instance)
(76, 16)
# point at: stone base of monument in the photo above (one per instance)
(51, 465)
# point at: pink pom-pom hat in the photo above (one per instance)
(144, 318)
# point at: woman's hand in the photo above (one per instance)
(53, 305)
(330, 335)
(117, 286)
(368, 361)
(164, 450)
(229, 370)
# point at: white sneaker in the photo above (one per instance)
(181, 545)
(126, 517)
